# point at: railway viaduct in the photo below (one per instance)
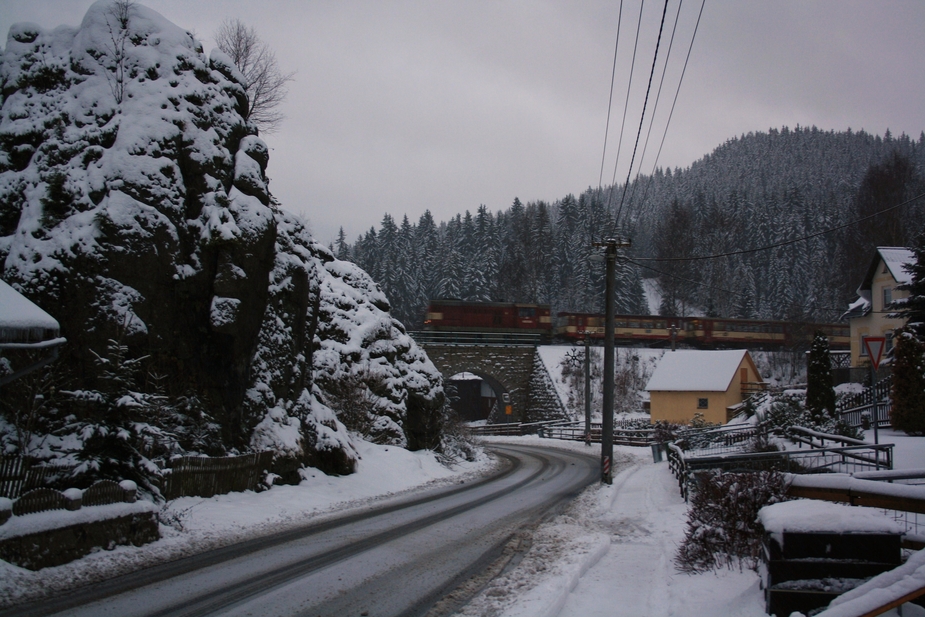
(514, 371)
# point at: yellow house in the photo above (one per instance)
(687, 382)
(867, 315)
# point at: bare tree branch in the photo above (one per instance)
(265, 83)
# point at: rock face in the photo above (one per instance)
(134, 206)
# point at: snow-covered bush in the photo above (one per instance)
(722, 522)
(789, 409)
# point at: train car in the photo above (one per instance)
(462, 316)
(702, 332)
(630, 329)
(718, 333)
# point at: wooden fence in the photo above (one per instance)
(43, 499)
(874, 402)
(19, 475)
(199, 476)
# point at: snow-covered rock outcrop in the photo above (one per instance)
(134, 206)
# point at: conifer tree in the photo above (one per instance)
(820, 394)
(913, 307)
(908, 388)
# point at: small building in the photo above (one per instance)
(868, 315)
(25, 326)
(688, 382)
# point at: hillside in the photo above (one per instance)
(201, 317)
(752, 191)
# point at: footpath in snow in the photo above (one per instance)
(611, 553)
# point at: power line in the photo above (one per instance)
(787, 242)
(644, 104)
(626, 105)
(658, 96)
(613, 74)
(677, 92)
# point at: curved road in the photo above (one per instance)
(399, 559)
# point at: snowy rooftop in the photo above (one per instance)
(896, 260)
(700, 371)
(21, 321)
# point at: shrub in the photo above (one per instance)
(722, 522)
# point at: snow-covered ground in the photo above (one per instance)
(611, 552)
(908, 451)
(553, 357)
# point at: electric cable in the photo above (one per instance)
(626, 105)
(613, 75)
(658, 96)
(642, 118)
(674, 102)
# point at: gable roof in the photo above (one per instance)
(895, 259)
(21, 321)
(696, 371)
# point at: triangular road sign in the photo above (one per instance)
(875, 345)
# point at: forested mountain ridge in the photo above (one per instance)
(755, 190)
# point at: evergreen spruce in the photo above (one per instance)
(913, 307)
(820, 394)
(908, 388)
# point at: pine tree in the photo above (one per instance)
(820, 394)
(341, 248)
(913, 307)
(908, 389)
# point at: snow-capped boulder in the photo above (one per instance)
(134, 206)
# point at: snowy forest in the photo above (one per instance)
(756, 190)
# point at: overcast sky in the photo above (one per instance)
(403, 106)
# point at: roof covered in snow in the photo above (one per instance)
(21, 321)
(698, 371)
(895, 258)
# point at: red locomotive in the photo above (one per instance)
(461, 316)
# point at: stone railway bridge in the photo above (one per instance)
(513, 370)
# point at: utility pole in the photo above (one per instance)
(610, 256)
(587, 388)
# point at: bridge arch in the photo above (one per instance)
(506, 369)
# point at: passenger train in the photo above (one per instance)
(647, 330)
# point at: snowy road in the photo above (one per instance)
(398, 559)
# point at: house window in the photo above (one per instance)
(887, 297)
(863, 346)
(888, 347)
(702, 403)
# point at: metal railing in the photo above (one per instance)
(849, 457)
(509, 339)
(874, 403)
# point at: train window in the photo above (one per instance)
(526, 313)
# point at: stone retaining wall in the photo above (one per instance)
(60, 545)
